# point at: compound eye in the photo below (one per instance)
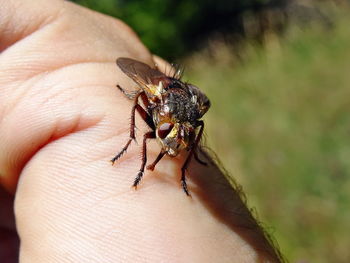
(164, 129)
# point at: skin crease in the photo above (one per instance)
(62, 119)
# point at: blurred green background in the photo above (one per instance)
(278, 76)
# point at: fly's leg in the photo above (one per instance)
(148, 135)
(153, 165)
(188, 159)
(129, 94)
(144, 115)
(132, 94)
(132, 129)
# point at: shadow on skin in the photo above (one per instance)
(225, 201)
(9, 240)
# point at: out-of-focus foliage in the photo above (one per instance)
(171, 28)
(280, 122)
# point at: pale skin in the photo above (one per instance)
(62, 119)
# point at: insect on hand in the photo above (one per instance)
(171, 108)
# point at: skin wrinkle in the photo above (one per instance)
(47, 70)
(79, 124)
(58, 70)
(45, 74)
(49, 137)
(59, 28)
(25, 91)
(148, 180)
(26, 30)
(17, 93)
(132, 156)
(125, 35)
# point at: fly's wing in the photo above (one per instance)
(140, 72)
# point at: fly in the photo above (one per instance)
(171, 108)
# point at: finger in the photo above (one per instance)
(27, 69)
(164, 66)
(161, 63)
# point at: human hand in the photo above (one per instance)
(62, 120)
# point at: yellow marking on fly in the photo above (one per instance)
(174, 131)
(155, 90)
(160, 87)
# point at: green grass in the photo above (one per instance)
(280, 122)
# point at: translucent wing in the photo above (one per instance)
(140, 72)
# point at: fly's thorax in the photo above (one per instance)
(177, 100)
(179, 105)
(154, 92)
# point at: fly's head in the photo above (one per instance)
(174, 136)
